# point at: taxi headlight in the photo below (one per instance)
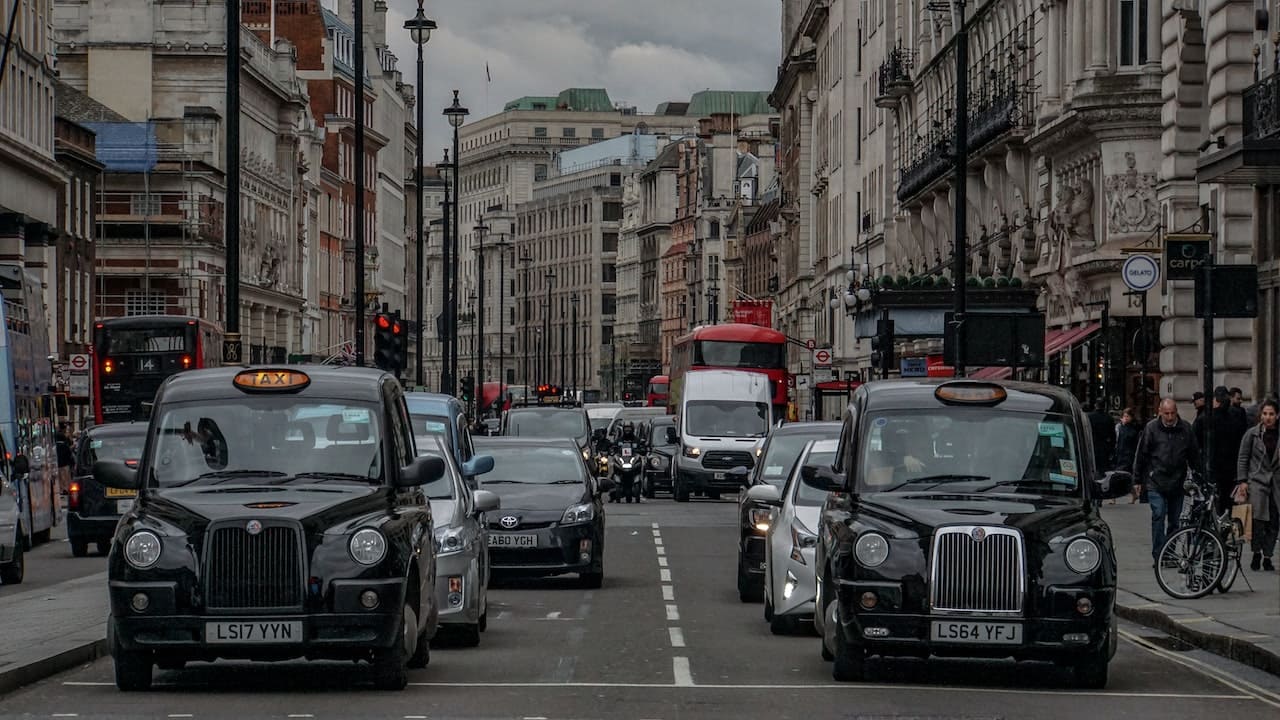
(578, 514)
(655, 461)
(368, 546)
(142, 549)
(1083, 555)
(871, 550)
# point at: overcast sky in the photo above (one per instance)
(642, 51)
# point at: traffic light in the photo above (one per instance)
(384, 341)
(882, 355)
(399, 344)
(467, 391)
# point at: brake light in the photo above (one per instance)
(108, 366)
(186, 362)
(131, 463)
(73, 496)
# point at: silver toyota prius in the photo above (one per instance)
(791, 542)
(462, 547)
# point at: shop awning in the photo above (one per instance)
(1068, 337)
(832, 386)
(992, 373)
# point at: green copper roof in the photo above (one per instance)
(574, 99)
(531, 102)
(713, 102)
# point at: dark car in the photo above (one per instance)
(779, 455)
(961, 522)
(552, 517)
(92, 509)
(557, 423)
(281, 515)
(657, 470)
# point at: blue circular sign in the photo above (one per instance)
(1140, 272)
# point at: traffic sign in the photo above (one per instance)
(1140, 272)
(810, 344)
(822, 358)
(79, 363)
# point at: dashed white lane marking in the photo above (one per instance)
(657, 541)
(534, 717)
(65, 715)
(294, 715)
(657, 532)
(655, 526)
(668, 592)
(555, 615)
(415, 717)
(677, 636)
(661, 550)
(662, 562)
(666, 575)
(680, 666)
(503, 615)
(187, 715)
(673, 612)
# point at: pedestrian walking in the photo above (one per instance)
(1259, 466)
(62, 444)
(1127, 434)
(1103, 429)
(1167, 451)
(1228, 430)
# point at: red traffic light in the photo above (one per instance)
(396, 329)
(384, 322)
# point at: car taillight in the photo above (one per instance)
(108, 366)
(131, 463)
(73, 496)
(186, 362)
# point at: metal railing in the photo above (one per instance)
(1262, 108)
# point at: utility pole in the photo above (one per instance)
(360, 184)
(546, 331)
(574, 302)
(232, 351)
(961, 245)
(525, 260)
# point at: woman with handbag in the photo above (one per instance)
(1258, 466)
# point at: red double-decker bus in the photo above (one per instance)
(656, 393)
(734, 346)
(133, 355)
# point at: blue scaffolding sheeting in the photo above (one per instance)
(126, 146)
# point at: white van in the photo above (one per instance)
(723, 419)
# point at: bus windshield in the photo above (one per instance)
(721, 353)
(129, 341)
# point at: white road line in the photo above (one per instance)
(503, 615)
(553, 615)
(187, 715)
(677, 636)
(661, 550)
(657, 541)
(680, 668)
(415, 717)
(662, 562)
(897, 687)
(655, 526)
(65, 715)
(534, 717)
(673, 612)
(657, 532)
(294, 715)
(666, 576)
(1254, 691)
(668, 592)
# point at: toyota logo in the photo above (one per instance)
(253, 527)
(509, 521)
(978, 534)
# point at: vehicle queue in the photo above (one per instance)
(312, 512)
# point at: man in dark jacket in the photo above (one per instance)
(1167, 450)
(1103, 429)
(1228, 429)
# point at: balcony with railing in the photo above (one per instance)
(894, 78)
(1255, 159)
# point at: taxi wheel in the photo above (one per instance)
(132, 668)
(469, 635)
(849, 663)
(680, 490)
(79, 548)
(1092, 674)
(391, 666)
(749, 591)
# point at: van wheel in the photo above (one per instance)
(680, 490)
(79, 548)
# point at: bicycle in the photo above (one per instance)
(1204, 553)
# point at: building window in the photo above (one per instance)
(1134, 42)
(597, 133)
(539, 172)
(570, 132)
(140, 302)
(608, 273)
(539, 132)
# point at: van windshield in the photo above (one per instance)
(726, 418)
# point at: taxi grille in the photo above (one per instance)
(259, 572)
(977, 569)
(726, 460)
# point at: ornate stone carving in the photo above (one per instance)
(1131, 199)
(1071, 223)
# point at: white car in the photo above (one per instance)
(790, 578)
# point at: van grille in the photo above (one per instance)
(978, 569)
(726, 460)
(258, 572)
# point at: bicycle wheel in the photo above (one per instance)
(1190, 563)
(1234, 543)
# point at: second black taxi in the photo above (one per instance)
(962, 522)
(280, 514)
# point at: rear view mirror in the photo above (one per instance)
(423, 470)
(765, 494)
(478, 465)
(672, 436)
(821, 477)
(605, 484)
(115, 474)
(486, 501)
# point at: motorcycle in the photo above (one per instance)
(627, 464)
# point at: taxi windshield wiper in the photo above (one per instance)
(1032, 482)
(230, 475)
(320, 475)
(938, 480)
(502, 482)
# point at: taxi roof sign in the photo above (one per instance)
(271, 380)
(970, 393)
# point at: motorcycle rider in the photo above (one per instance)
(638, 447)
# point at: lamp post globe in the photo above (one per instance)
(420, 27)
(456, 113)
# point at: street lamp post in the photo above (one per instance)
(448, 293)
(960, 246)
(481, 229)
(231, 348)
(546, 330)
(456, 114)
(502, 246)
(420, 27)
(477, 386)
(564, 347)
(574, 302)
(525, 260)
(360, 218)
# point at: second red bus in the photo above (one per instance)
(732, 346)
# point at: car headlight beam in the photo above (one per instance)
(1083, 556)
(871, 550)
(368, 546)
(142, 549)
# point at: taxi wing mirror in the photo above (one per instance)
(115, 474)
(672, 436)
(486, 501)
(822, 478)
(765, 494)
(605, 484)
(478, 465)
(421, 471)
(21, 465)
(1113, 485)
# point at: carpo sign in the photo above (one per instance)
(1184, 254)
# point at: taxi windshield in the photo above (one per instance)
(266, 440)
(975, 450)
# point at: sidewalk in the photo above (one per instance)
(52, 629)
(1242, 625)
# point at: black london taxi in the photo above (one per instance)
(280, 514)
(961, 522)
